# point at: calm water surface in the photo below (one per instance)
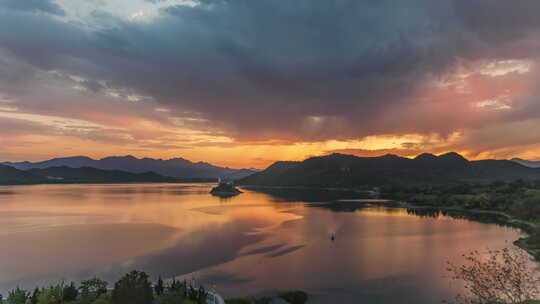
(251, 244)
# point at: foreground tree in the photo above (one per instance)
(501, 277)
(197, 295)
(178, 287)
(51, 295)
(34, 297)
(159, 288)
(133, 288)
(17, 296)
(70, 293)
(92, 289)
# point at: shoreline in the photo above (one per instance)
(527, 227)
(109, 183)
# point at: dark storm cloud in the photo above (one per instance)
(43, 6)
(293, 70)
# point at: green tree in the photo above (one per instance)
(51, 295)
(70, 292)
(91, 289)
(179, 287)
(34, 297)
(133, 288)
(17, 296)
(159, 287)
(198, 295)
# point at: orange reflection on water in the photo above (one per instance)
(250, 244)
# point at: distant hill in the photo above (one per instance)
(176, 167)
(87, 174)
(13, 176)
(527, 163)
(339, 170)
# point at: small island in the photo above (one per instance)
(225, 189)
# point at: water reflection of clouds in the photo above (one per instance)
(200, 224)
(251, 244)
(262, 250)
(6, 192)
(285, 251)
(58, 252)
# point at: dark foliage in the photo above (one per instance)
(520, 199)
(133, 288)
(92, 289)
(159, 288)
(294, 297)
(17, 296)
(339, 170)
(238, 301)
(12, 176)
(70, 292)
(34, 297)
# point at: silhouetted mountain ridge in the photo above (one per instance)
(175, 167)
(341, 170)
(12, 176)
(88, 174)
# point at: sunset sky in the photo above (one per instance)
(243, 83)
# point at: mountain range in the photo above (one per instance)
(340, 170)
(176, 167)
(13, 176)
(335, 170)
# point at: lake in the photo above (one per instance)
(255, 243)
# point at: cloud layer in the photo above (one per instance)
(40, 6)
(281, 71)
